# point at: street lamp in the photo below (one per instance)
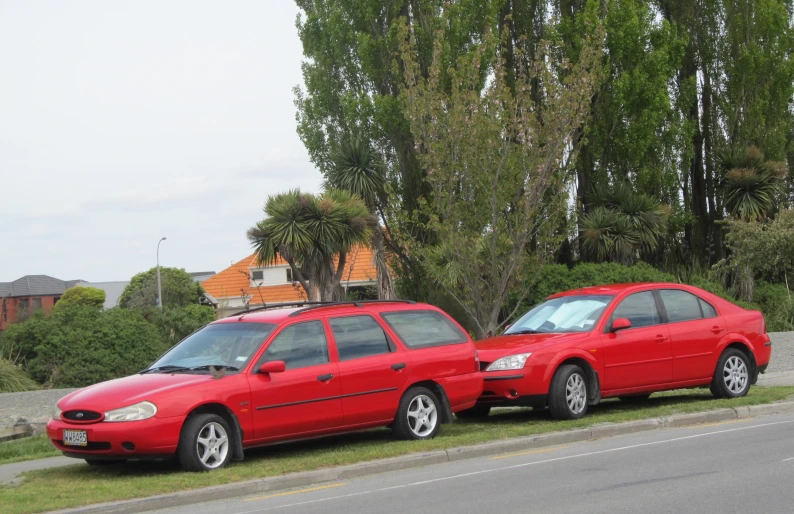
(159, 287)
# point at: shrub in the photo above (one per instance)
(13, 378)
(79, 295)
(78, 346)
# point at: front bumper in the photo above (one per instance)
(150, 438)
(513, 388)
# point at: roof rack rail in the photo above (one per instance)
(356, 303)
(273, 306)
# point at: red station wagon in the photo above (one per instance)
(621, 340)
(274, 375)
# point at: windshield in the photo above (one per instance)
(564, 314)
(228, 345)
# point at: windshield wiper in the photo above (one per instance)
(525, 331)
(177, 369)
(216, 366)
(163, 368)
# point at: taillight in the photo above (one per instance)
(763, 324)
(476, 361)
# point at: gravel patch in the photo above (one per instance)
(782, 352)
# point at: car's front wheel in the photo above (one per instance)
(418, 416)
(732, 376)
(205, 443)
(568, 393)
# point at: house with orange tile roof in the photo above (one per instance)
(245, 284)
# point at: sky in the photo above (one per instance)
(126, 121)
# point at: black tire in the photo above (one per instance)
(403, 428)
(733, 375)
(558, 396)
(634, 398)
(104, 462)
(476, 412)
(189, 452)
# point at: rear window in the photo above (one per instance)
(424, 329)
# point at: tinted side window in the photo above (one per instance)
(357, 337)
(424, 329)
(680, 305)
(708, 310)
(639, 309)
(299, 346)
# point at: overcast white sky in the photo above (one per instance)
(125, 121)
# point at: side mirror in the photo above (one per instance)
(620, 324)
(273, 367)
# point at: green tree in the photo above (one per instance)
(622, 224)
(750, 184)
(313, 234)
(178, 288)
(79, 295)
(356, 167)
(495, 163)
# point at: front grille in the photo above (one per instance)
(90, 447)
(81, 416)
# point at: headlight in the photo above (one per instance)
(56, 413)
(137, 412)
(511, 362)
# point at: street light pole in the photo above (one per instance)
(159, 287)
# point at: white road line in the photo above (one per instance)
(785, 460)
(515, 466)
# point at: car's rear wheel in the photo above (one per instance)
(634, 398)
(732, 376)
(418, 416)
(568, 393)
(205, 443)
(478, 411)
(104, 462)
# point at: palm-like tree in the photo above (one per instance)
(621, 224)
(313, 234)
(750, 184)
(357, 167)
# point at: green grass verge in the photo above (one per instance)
(29, 448)
(80, 484)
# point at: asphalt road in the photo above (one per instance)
(739, 466)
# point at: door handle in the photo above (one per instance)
(716, 329)
(660, 338)
(325, 378)
(398, 366)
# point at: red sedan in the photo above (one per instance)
(275, 375)
(624, 341)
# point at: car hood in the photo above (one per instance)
(501, 346)
(122, 392)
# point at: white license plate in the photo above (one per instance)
(75, 438)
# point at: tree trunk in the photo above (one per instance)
(384, 281)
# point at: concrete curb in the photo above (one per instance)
(309, 478)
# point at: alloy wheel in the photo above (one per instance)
(212, 445)
(735, 374)
(422, 416)
(576, 393)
